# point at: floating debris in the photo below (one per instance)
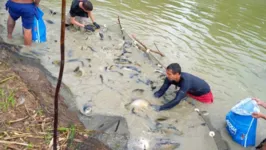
(87, 109)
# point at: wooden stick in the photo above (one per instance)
(157, 47)
(23, 136)
(6, 79)
(18, 120)
(61, 71)
(121, 27)
(16, 143)
(157, 52)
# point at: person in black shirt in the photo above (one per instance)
(189, 84)
(80, 10)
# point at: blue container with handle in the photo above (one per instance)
(39, 28)
(240, 124)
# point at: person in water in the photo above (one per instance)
(26, 10)
(262, 145)
(79, 13)
(189, 84)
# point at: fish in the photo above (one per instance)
(147, 82)
(121, 74)
(130, 68)
(162, 118)
(76, 59)
(140, 91)
(159, 71)
(156, 126)
(79, 71)
(92, 49)
(165, 144)
(133, 75)
(52, 12)
(124, 52)
(122, 61)
(101, 35)
(101, 77)
(49, 21)
(162, 76)
(110, 70)
(138, 106)
(127, 44)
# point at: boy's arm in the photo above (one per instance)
(73, 21)
(37, 2)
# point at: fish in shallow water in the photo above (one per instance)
(130, 68)
(140, 91)
(49, 21)
(122, 61)
(92, 49)
(101, 35)
(165, 144)
(138, 106)
(79, 71)
(101, 77)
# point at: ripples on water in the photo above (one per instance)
(223, 42)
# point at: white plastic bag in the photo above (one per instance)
(246, 107)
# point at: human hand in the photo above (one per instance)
(89, 27)
(259, 102)
(257, 115)
(155, 107)
(96, 25)
(157, 94)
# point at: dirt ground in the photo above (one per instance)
(26, 110)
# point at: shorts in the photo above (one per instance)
(82, 20)
(25, 11)
(206, 98)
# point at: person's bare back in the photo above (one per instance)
(27, 1)
(23, 1)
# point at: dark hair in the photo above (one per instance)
(175, 67)
(261, 144)
(87, 5)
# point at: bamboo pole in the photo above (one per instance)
(147, 50)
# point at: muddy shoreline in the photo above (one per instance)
(38, 93)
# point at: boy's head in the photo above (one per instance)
(87, 6)
(173, 72)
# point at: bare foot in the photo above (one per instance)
(9, 36)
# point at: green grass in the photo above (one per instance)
(7, 100)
